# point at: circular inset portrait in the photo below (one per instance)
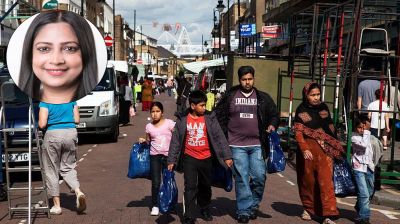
(56, 57)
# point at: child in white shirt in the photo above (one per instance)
(383, 123)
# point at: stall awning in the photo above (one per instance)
(197, 66)
(121, 66)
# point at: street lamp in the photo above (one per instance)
(205, 44)
(220, 7)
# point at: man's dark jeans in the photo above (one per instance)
(157, 164)
(197, 177)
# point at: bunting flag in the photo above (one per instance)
(177, 27)
(155, 24)
(167, 27)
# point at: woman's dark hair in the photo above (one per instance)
(245, 70)
(157, 104)
(197, 97)
(28, 81)
(378, 94)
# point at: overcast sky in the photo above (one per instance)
(195, 15)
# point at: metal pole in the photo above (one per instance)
(313, 53)
(339, 60)
(239, 45)
(29, 162)
(219, 34)
(81, 7)
(114, 27)
(141, 43)
(134, 35)
(228, 34)
(324, 71)
(202, 49)
(213, 34)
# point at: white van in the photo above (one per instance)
(99, 110)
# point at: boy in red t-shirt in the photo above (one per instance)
(196, 139)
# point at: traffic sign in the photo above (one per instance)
(108, 40)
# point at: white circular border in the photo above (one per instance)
(14, 50)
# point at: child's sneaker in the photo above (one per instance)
(80, 202)
(155, 211)
(55, 210)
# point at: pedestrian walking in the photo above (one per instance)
(318, 146)
(147, 94)
(59, 151)
(158, 134)
(138, 92)
(246, 115)
(170, 85)
(126, 101)
(367, 152)
(59, 62)
(366, 93)
(196, 141)
(383, 123)
(183, 91)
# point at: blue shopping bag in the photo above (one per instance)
(343, 179)
(168, 194)
(221, 177)
(139, 161)
(276, 160)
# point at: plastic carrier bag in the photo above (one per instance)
(139, 161)
(168, 194)
(276, 160)
(343, 179)
(221, 177)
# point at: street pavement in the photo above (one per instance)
(114, 198)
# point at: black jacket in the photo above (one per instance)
(267, 114)
(218, 143)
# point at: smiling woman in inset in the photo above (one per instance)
(59, 63)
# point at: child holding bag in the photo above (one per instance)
(158, 134)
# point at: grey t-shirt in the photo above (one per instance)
(243, 122)
(366, 90)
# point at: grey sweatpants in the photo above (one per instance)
(59, 158)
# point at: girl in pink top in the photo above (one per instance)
(158, 134)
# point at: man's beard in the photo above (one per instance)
(246, 90)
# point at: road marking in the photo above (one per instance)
(94, 146)
(290, 182)
(22, 221)
(388, 214)
(89, 150)
(84, 154)
(390, 191)
(280, 175)
(81, 159)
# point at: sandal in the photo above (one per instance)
(328, 221)
(305, 216)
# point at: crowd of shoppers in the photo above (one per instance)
(235, 133)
